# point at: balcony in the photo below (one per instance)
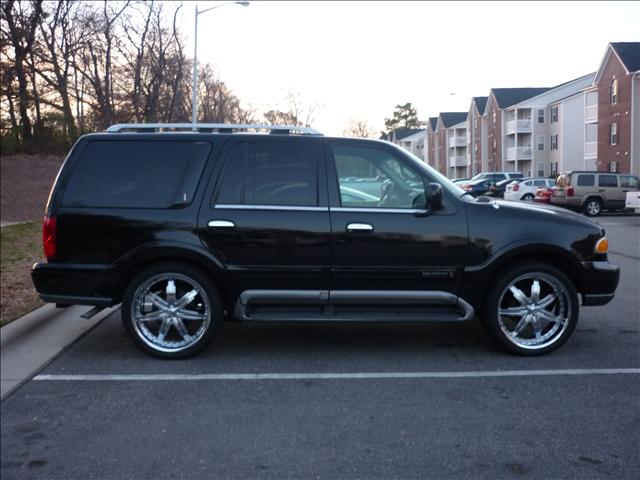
(591, 113)
(590, 149)
(457, 161)
(457, 142)
(521, 125)
(519, 153)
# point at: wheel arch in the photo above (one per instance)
(200, 259)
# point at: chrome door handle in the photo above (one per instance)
(221, 224)
(359, 228)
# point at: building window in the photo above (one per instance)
(554, 142)
(541, 115)
(613, 167)
(554, 114)
(613, 133)
(541, 143)
(541, 168)
(494, 117)
(613, 91)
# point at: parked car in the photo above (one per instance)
(497, 190)
(632, 203)
(190, 228)
(495, 176)
(543, 195)
(460, 180)
(592, 192)
(525, 189)
(480, 187)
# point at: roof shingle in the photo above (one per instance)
(507, 97)
(452, 118)
(629, 53)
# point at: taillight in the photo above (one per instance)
(467, 187)
(516, 187)
(571, 192)
(49, 236)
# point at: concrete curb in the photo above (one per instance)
(32, 341)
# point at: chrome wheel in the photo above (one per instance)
(534, 310)
(593, 208)
(170, 312)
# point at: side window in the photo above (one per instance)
(586, 181)
(372, 177)
(607, 181)
(270, 173)
(136, 174)
(629, 181)
(539, 183)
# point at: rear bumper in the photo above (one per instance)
(600, 283)
(75, 284)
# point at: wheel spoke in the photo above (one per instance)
(158, 301)
(551, 318)
(150, 317)
(546, 301)
(164, 329)
(186, 299)
(518, 294)
(182, 330)
(537, 329)
(185, 314)
(520, 325)
(513, 311)
(535, 291)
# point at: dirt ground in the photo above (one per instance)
(25, 181)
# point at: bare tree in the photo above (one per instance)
(359, 128)
(293, 111)
(21, 22)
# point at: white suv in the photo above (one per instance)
(526, 189)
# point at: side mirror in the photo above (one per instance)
(434, 196)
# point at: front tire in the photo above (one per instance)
(528, 197)
(171, 310)
(531, 309)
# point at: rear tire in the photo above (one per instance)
(171, 310)
(531, 309)
(528, 197)
(592, 207)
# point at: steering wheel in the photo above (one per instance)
(387, 188)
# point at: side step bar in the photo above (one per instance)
(351, 305)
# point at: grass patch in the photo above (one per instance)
(20, 248)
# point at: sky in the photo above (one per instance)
(359, 59)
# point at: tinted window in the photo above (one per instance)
(136, 174)
(373, 177)
(516, 175)
(270, 173)
(585, 180)
(539, 183)
(629, 181)
(607, 181)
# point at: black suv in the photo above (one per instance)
(189, 228)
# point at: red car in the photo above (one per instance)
(543, 195)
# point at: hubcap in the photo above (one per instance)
(534, 310)
(593, 208)
(170, 312)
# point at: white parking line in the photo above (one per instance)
(333, 376)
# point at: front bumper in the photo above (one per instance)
(600, 282)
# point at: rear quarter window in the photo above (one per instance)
(136, 174)
(585, 181)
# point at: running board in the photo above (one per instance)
(351, 306)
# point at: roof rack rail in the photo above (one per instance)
(211, 128)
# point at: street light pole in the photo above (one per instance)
(194, 93)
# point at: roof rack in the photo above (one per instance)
(211, 128)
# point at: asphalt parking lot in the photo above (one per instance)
(345, 401)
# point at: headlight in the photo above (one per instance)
(602, 246)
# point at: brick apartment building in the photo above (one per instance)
(476, 146)
(430, 148)
(618, 86)
(451, 143)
